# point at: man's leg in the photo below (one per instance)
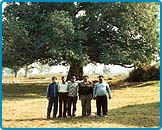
(55, 107)
(65, 104)
(104, 105)
(98, 105)
(74, 105)
(60, 104)
(69, 105)
(88, 105)
(49, 108)
(83, 104)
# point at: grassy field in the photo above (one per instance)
(132, 105)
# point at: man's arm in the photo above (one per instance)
(58, 87)
(108, 90)
(57, 91)
(91, 88)
(68, 86)
(79, 89)
(94, 91)
(47, 92)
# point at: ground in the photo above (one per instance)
(132, 105)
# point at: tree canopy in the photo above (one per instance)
(79, 33)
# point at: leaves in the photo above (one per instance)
(109, 33)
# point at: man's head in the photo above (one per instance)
(73, 78)
(54, 79)
(63, 79)
(101, 78)
(85, 78)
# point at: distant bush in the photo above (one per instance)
(144, 74)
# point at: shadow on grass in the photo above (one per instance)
(23, 91)
(122, 85)
(38, 90)
(140, 115)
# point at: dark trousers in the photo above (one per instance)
(86, 104)
(52, 102)
(63, 102)
(101, 102)
(72, 101)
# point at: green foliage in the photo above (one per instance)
(124, 33)
(144, 74)
(69, 33)
(18, 49)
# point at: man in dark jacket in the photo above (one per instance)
(52, 96)
(85, 95)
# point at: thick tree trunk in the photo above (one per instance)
(76, 69)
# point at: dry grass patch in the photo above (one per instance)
(136, 105)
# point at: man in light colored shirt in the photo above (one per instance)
(62, 89)
(100, 94)
(72, 96)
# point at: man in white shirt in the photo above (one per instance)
(63, 98)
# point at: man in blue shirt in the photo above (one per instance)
(100, 94)
(52, 96)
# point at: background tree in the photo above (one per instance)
(79, 33)
(18, 49)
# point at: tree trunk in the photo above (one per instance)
(15, 69)
(15, 73)
(26, 71)
(76, 69)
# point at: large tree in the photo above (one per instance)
(78, 33)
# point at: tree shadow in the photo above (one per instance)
(31, 119)
(23, 91)
(140, 115)
(122, 85)
(38, 90)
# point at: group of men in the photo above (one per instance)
(66, 94)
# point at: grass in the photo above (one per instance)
(133, 105)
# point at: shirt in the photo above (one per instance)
(101, 89)
(52, 90)
(62, 87)
(72, 89)
(85, 88)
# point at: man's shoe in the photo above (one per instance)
(105, 115)
(48, 117)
